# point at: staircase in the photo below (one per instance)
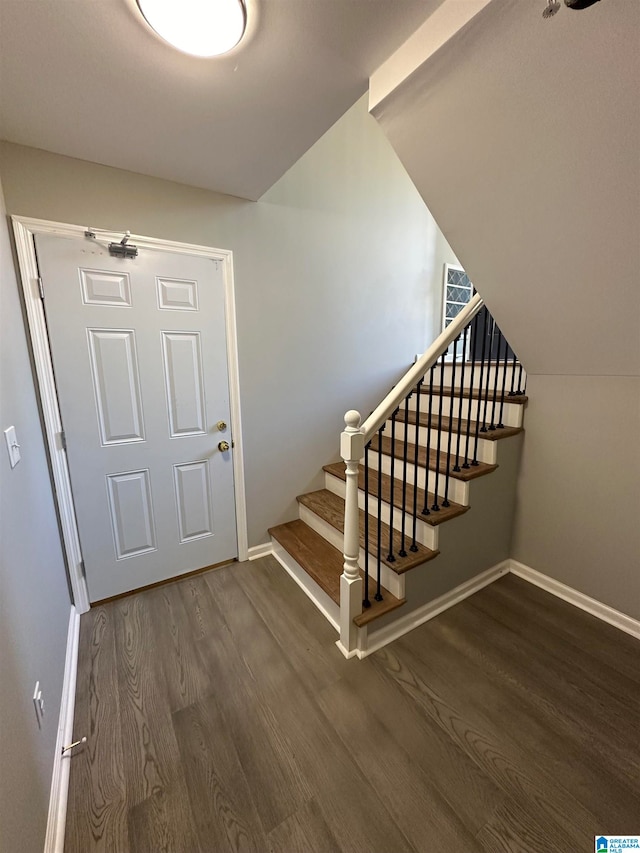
(408, 474)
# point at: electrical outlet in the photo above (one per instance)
(38, 704)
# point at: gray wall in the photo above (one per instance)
(338, 284)
(578, 506)
(522, 135)
(34, 602)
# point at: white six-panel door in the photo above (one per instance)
(140, 360)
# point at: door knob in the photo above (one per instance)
(223, 446)
(221, 426)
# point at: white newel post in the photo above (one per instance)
(351, 450)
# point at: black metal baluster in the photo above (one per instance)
(390, 556)
(491, 322)
(378, 595)
(435, 506)
(504, 381)
(514, 360)
(416, 448)
(473, 326)
(425, 509)
(403, 551)
(519, 391)
(445, 502)
(456, 467)
(495, 378)
(366, 602)
(524, 390)
(480, 385)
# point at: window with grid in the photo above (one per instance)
(458, 290)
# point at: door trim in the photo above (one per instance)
(25, 230)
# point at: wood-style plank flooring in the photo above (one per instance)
(221, 717)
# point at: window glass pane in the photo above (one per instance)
(458, 294)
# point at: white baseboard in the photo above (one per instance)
(596, 608)
(54, 839)
(377, 639)
(348, 654)
(258, 551)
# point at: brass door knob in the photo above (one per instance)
(221, 426)
(223, 446)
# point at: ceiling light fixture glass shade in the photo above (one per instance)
(198, 27)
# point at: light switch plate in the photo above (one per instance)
(12, 445)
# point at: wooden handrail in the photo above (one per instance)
(387, 407)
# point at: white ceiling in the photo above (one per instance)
(89, 79)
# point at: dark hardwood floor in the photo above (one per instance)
(221, 717)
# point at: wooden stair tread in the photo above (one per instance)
(317, 557)
(474, 394)
(434, 460)
(447, 424)
(378, 608)
(434, 518)
(324, 564)
(330, 508)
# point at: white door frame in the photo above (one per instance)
(25, 230)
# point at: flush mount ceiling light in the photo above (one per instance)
(198, 27)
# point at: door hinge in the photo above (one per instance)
(41, 287)
(83, 571)
(63, 439)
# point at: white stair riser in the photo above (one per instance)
(389, 580)
(458, 490)
(426, 534)
(512, 413)
(487, 450)
(323, 602)
(448, 376)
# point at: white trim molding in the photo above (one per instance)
(369, 642)
(56, 821)
(403, 624)
(25, 229)
(257, 551)
(596, 608)
(24, 232)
